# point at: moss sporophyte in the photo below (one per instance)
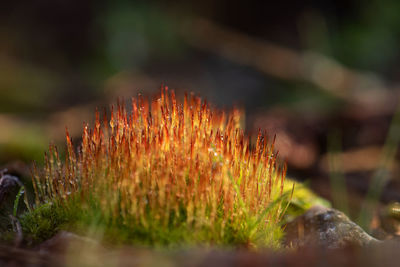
(166, 173)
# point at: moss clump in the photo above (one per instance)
(165, 174)
(45, 221)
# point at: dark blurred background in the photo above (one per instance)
(322, 75)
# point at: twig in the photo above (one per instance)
(356, 87)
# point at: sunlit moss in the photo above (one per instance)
(168, 173)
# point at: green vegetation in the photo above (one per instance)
(168, 174)
(46, 220)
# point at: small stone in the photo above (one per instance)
(326, 227)
(9, 187)
(8, 184)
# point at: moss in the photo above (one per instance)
(168, 173)
(45, 221)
